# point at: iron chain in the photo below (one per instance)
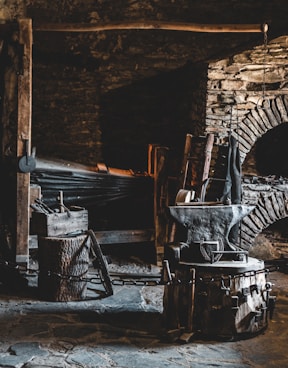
(129, 280)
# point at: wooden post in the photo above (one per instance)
(191, 302)
(182, 178)
(151, 156)
(160, 201)
(24, 137)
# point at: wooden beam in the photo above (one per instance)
(24, 137)
(186, 27)
(125, 236)
(114, 237)
(160, 201)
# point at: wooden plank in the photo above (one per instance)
(55, 224)
(207, 161)
(108, 237)
(24, 136)
(125, 236)
(35, 193)
(208, 152)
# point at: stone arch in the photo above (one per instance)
(258, 121)
(270, 207)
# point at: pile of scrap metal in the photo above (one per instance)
(88, 186)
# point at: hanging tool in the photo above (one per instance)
(62, 206)
(27, 163)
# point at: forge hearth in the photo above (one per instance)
(215, 288)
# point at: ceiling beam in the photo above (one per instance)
(186, 27)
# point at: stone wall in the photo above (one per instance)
(271, 205)
(247, 93)
(11, 10)
(247, 96)
(65, 113)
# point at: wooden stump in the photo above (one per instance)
(63, 261)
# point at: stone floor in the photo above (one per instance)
(124, 330)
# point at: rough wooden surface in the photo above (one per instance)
(55, 224)
(62, 264)
(188, 27)
(24, 137)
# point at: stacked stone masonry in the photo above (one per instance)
(248, 96)
(271, 205)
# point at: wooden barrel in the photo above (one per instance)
(224, 299)
(63, 267)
